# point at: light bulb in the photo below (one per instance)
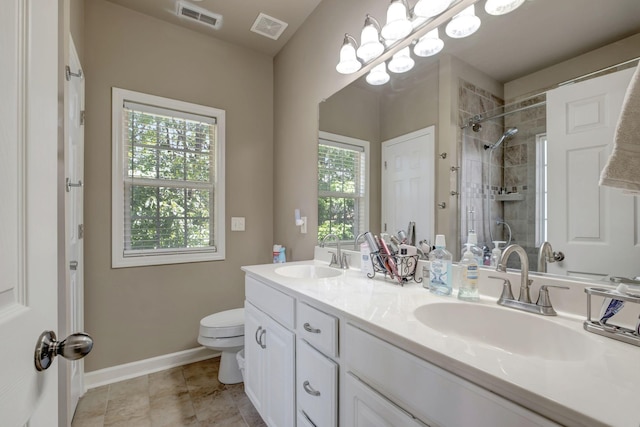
(398, 25)
(348, 62)
(502, 7)
(429, 45)
(370, 45)
(429, 8)
(463, 24)
(401, 61)
(378, 75)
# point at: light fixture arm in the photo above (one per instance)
(348, 38)
(370, 20)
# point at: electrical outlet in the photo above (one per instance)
(237, 223)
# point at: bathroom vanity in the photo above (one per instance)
(328, 347)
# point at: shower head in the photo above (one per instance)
(508, 134)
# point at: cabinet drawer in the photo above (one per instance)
(318, 329)
(365, 407)
(276, 304)
(428, 392)
(316, 385)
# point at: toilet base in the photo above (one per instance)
(229, 372)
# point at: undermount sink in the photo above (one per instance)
(510, 330)
(308, 272)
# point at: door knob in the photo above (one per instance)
(74, 347)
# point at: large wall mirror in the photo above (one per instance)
(485, 101)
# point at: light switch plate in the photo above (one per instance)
(237, 223)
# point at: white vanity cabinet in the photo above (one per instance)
(430, 394)
(270, 353)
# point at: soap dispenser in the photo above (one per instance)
(472, 239)
(496, 253)
(440, 268)
(468, 289)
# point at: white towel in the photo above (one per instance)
(623, 167)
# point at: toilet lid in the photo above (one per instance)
(228, 323)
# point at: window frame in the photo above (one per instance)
(541, 221)
(341, 140)
(138, 258)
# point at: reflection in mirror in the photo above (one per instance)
(510, 59)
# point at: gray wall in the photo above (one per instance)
(142, 312)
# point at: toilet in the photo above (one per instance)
(224, 332)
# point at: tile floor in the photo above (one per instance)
(188, 395)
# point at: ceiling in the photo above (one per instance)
(538, 34)
(238, 18)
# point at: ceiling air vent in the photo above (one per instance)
(213, 20)
(268, 26)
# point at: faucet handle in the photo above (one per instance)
(334, 260)
(344, 262)
(543, 295)
(507, 294)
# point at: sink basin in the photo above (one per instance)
(509, 330)
(308, 272)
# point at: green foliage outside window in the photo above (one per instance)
(168, 187)
(339, 192)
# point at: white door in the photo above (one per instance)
(72, 306)
(408, 183)
(28, 217)
(254, 378)
(279, 366)
(585, 220)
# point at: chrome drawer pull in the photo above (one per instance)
(307, 327)
(307, 387)
(258, 339)
(263, 333)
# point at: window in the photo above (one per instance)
(541, 188)
(343, 189)
(168, 181)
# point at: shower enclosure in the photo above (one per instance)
(502, 188)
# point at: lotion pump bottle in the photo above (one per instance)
(440, 273)
(496, 253)
(472, 239)
(468, 289)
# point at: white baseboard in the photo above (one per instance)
(127, 371)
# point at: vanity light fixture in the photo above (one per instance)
(401, 61)
(398, 25)
(501, 7)
(429, 44)
(348, 62)
(430, 8)
(463, 24)
(378, 75)
(370, 45)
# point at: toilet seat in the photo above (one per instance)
(226, 324)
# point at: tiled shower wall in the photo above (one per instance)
(477, 163)
(520, 173)
(512, 167)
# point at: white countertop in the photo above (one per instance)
(600, 386)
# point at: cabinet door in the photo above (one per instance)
(254, 378)
(366, 408)
(279, 372)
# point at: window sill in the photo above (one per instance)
(149, 260)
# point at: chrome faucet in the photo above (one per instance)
(547, 255)
(524, 270)
(355, 242)
(543, 304)
(338, 259)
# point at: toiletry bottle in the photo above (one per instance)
(468, 288)
(472, 238)
(496, 253)
(365, 260)
(276, 253)
(440, 274)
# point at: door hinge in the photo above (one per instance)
(385, 165)
(82, 117)
(385, 226)
(80, 231)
